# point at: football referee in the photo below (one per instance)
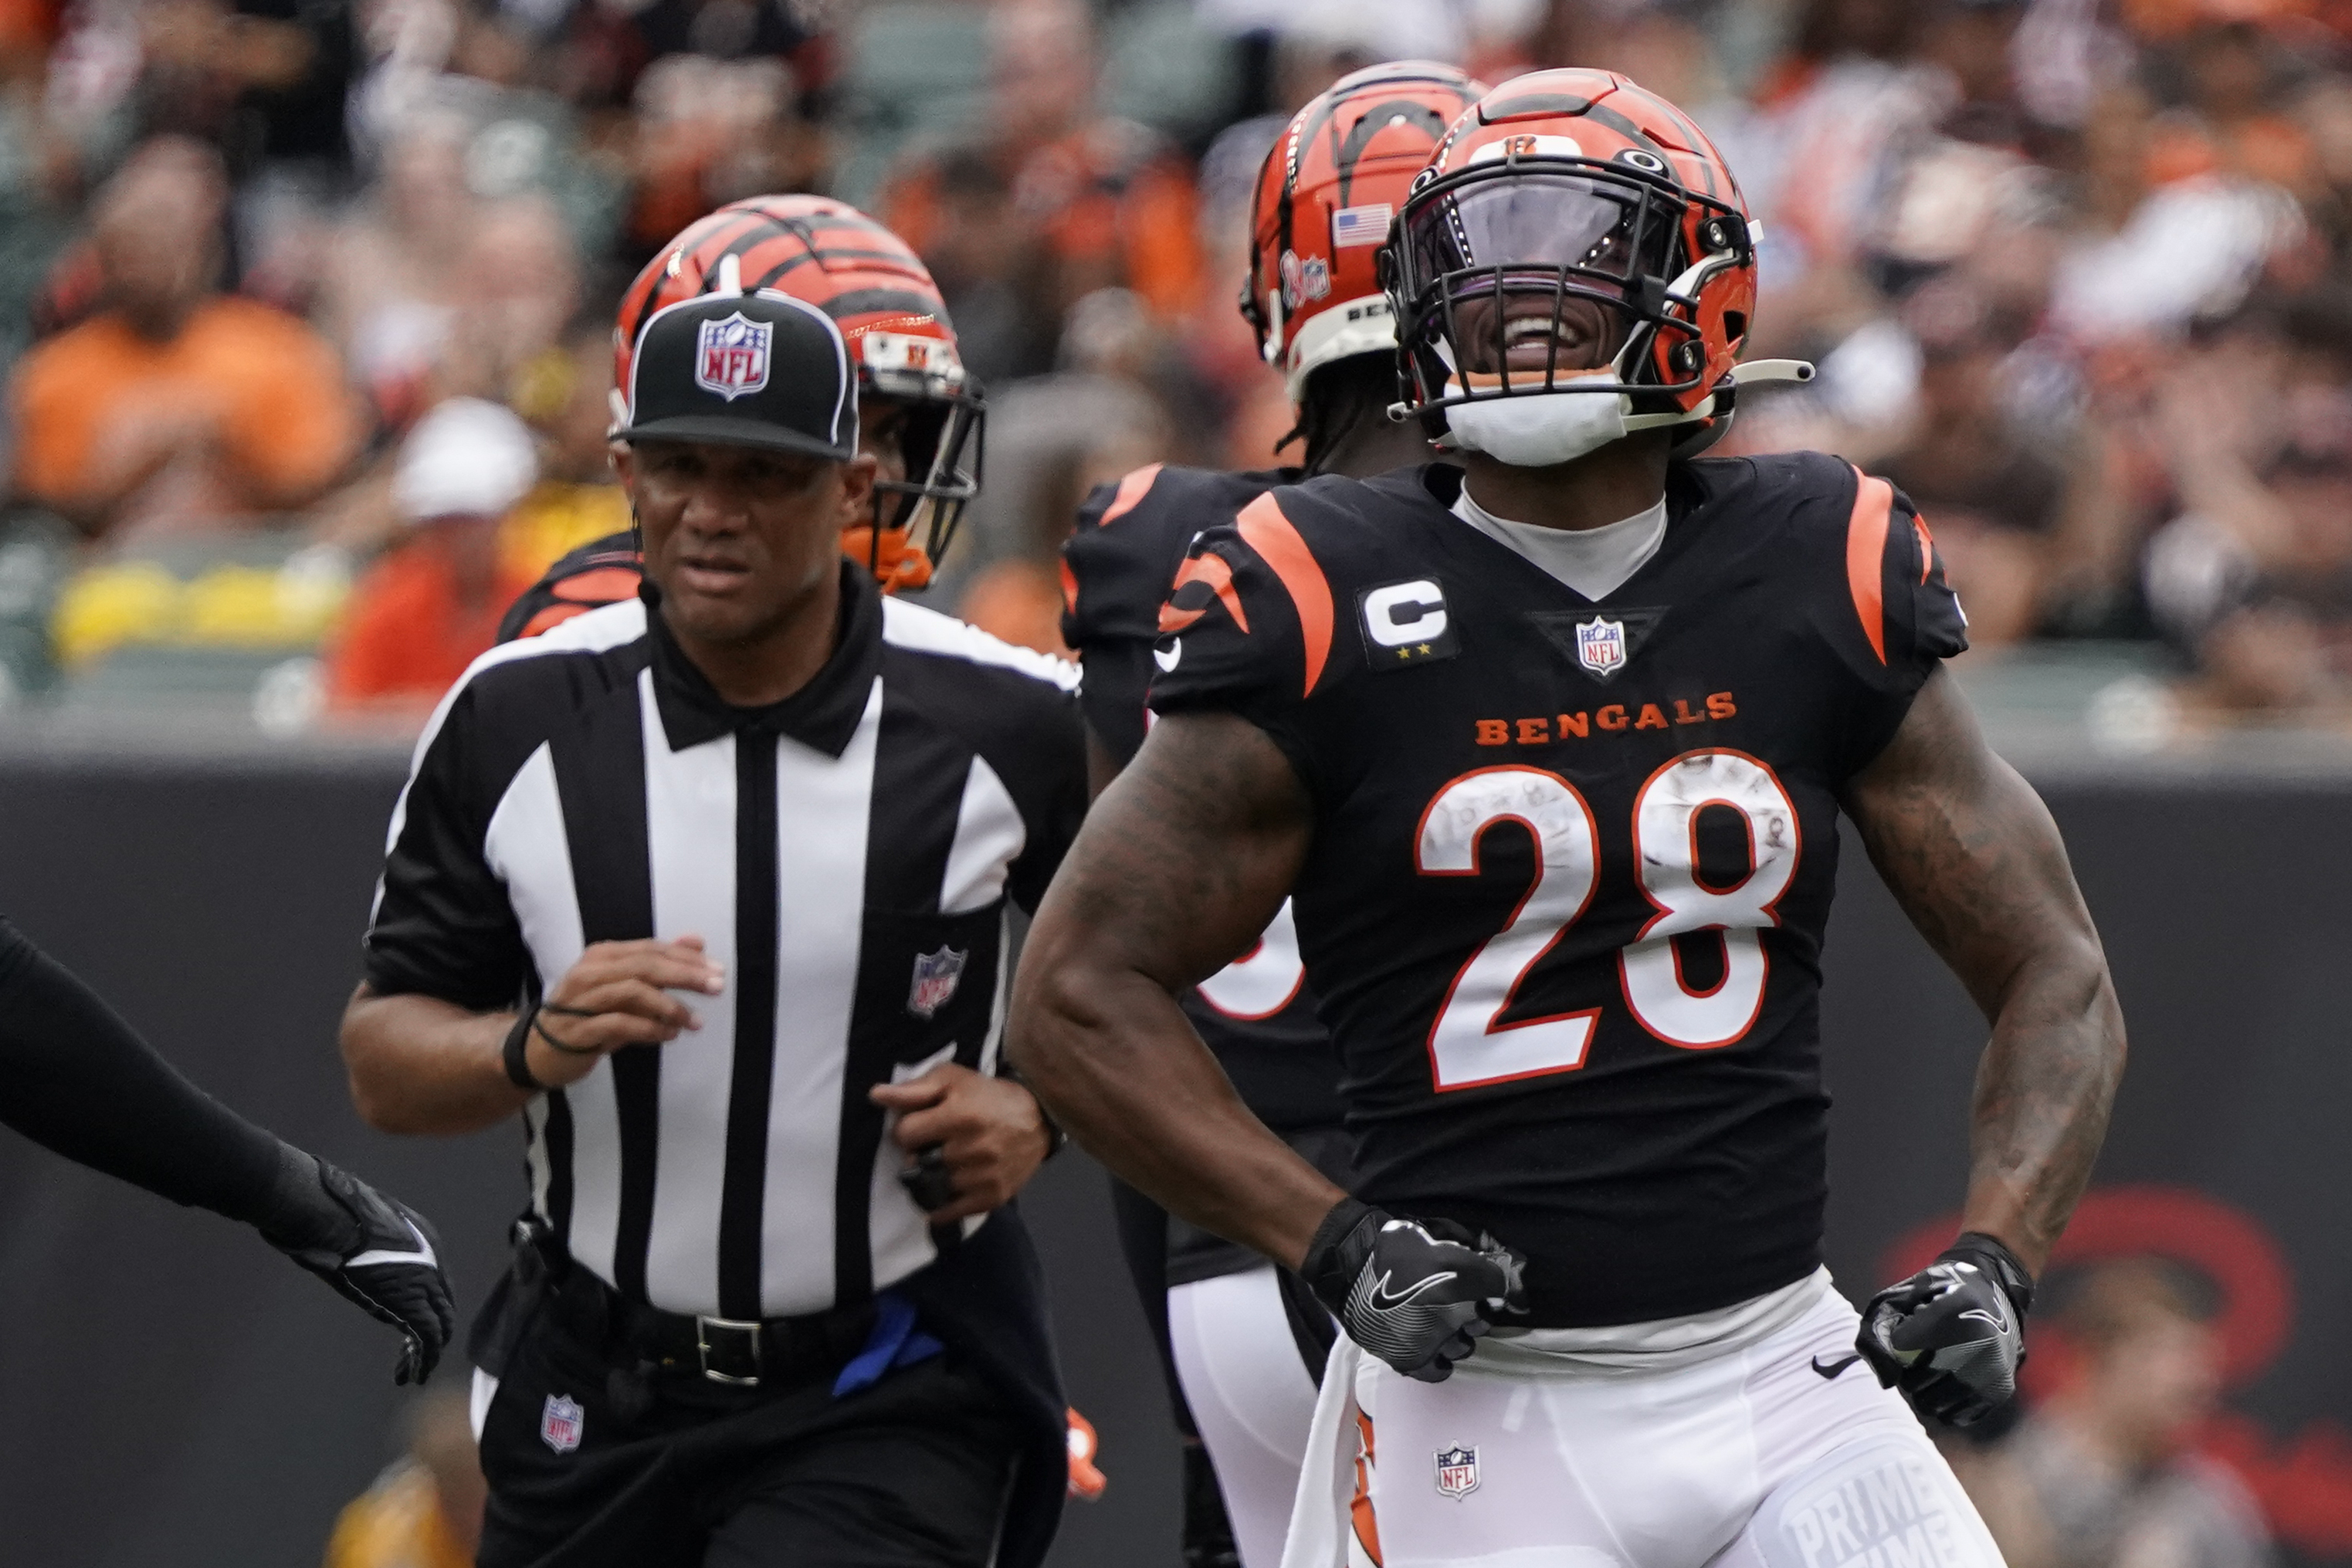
(710, 885)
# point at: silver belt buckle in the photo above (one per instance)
(745, 1335)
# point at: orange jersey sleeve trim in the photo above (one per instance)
(1132, 491)
(1865, 548)
(1275, 538)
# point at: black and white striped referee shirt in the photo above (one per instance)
(847, 855)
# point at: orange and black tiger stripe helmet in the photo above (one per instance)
(1321, 211)
(878, 292)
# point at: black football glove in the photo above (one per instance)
(1417, 1293)
(376, 1252)
(1952, 1335)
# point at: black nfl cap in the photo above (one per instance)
(746, 370)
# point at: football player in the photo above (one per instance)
(1246, 1342)
(1547, 751)
(918, 415)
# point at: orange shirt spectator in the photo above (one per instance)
(177, 409)
(432, 606)
(250, 401)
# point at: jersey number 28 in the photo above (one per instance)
(1469, 1046)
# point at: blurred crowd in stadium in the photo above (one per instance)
(2075, 272)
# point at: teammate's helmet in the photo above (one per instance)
(880, 295)
(1322, 206)
(1573, 233)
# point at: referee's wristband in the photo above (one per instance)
(512, 1053)
(1056, 1140)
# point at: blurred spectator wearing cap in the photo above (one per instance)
(432, 606)
(426, 1509)
(2103, 1474)
(177, 409)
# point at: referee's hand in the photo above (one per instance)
(618, 993)
(988, 1131)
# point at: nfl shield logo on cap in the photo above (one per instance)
(731, 356)
(1457, 1472)
(561, 1423)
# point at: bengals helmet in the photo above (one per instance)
(831, 255)
(1321, 210)
(1576, 233)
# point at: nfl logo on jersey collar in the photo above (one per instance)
(1601, 645)
(1457, 1472)
(732, 356)
(1601, 642)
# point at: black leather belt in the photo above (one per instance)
(773, 1354)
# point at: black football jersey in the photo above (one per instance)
(599, 572)
(1256, 1014)
(1573, 860)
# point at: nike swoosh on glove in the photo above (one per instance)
(1952, 1336)
(1417, 1293)
(376, 1251)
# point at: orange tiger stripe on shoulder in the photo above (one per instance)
(1212, 569)
(1131, 490)
(1278, 542)
(1865, 551)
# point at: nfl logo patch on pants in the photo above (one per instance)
(1457, 1472)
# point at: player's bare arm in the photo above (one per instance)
(422, 1065)
(1972, 855)
(1181, 864)
(1975, 860)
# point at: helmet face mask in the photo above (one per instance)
(939, 440)
(1522, 275)
(1561, 244)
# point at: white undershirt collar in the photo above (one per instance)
(1593, 562)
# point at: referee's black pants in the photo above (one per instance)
(911, 1472)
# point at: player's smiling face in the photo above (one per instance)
(1521, 330)
(738, 537)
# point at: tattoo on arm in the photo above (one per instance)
(1973, 857)
(1181, 866)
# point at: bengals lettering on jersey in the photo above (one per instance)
(1572, 860)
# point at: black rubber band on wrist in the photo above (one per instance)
(1057, 1137)
(539, 1026)
(517, 1063)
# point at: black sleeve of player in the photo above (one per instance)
(442, 925)
(79, 1080)
(1917, 616)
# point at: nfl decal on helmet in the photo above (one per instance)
(1322, 207)
(828, 254)
(1576, 264)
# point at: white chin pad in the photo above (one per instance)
(1538, 430)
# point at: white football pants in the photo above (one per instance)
(1744, 1457)
(1251, 1397)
